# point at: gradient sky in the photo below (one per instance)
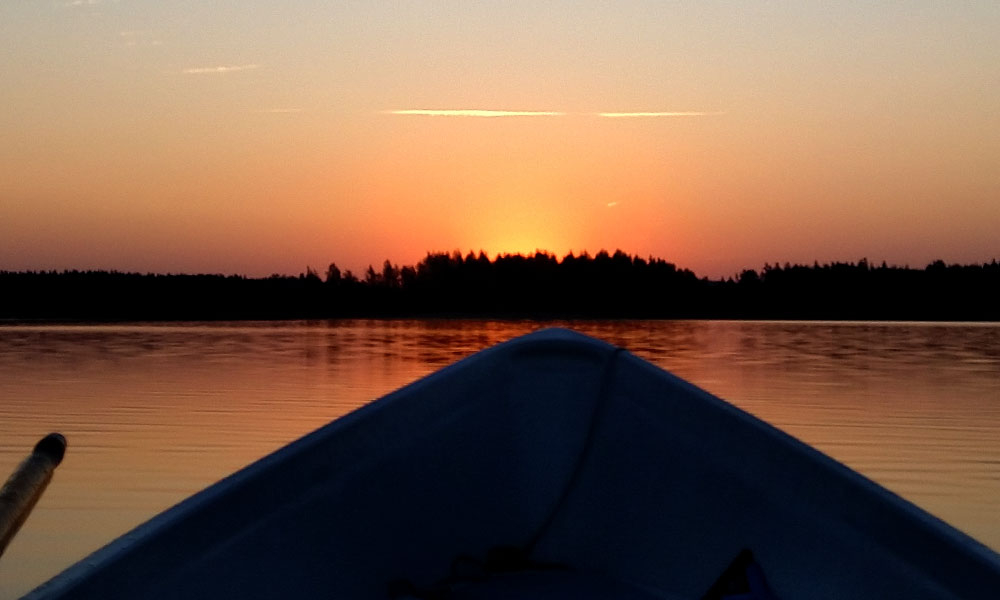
(260, 137)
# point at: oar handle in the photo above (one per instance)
(25, 486)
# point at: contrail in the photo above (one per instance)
(468, 112)
(620, 115)
(221, 69)
(476, 113)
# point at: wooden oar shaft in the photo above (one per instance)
(25, 486)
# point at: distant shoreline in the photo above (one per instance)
(514, 287)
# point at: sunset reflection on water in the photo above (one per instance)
(156, 412)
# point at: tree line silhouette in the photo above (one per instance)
(538, 285)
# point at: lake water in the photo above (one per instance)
(156, 412)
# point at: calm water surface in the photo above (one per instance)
(155, 412)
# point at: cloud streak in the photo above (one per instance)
(641, 115)
(469, 112)
(473, 112)
(219, 69)
(140, 37)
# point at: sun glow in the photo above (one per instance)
(525, 240)
(522, 228)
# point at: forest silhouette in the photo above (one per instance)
(539, 286)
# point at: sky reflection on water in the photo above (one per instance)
(155, 412)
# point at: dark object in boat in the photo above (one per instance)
(743, 579)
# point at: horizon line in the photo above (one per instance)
(581, 254)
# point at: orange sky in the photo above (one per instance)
(254, 137)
